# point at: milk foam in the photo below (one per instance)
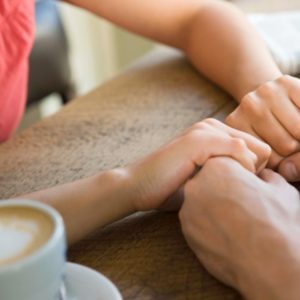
(15, 237)
(22, 232)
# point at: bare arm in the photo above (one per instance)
(89, 203)
(215, 35)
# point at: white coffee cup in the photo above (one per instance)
(32, 251)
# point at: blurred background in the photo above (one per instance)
(76, 51)
(102, 49)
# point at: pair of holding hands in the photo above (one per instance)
(245, 228)
(239, 218)
(263, 133)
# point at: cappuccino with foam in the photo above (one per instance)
(23, 230)
(32, 251)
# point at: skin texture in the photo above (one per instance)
(246, 230)
(146, 184)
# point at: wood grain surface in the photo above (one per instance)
(126, 118)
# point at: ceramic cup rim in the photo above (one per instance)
(58, 231)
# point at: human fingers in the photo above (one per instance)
(293, 85)
(206, 139)
(289, 168)
(160, 174)
(256, 111)
(273, 160)
(253, 142)
(270, 129)
(289, 99)
(223, 145)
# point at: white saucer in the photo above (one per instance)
(82, 283)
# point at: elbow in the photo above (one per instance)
(206, 17)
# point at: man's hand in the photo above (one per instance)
(245, 230)
(272, 113)
(159, 175)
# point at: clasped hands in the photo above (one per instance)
(242, 227)
(241, 220)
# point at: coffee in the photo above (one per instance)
(23, 230)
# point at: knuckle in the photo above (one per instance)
(284, 79)
(263, 148)
(200, 126)
(250, 105)
(211, 121)
(193, 136)
(266, 151)
(289, 148)
(238, 144)
(267, 89)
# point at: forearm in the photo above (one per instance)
(225, 47)
(163, 21)
(216, 36)
(89, 203)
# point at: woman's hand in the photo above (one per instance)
(271, 113)
(159, 175)
(245, 230)
(93, 202)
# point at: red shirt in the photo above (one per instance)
(16, 38)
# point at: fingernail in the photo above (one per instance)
(289, 171)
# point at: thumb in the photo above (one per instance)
(290, 168)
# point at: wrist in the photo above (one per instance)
(249, 83)
(135, 185)
(120, 193)
(144, 186)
